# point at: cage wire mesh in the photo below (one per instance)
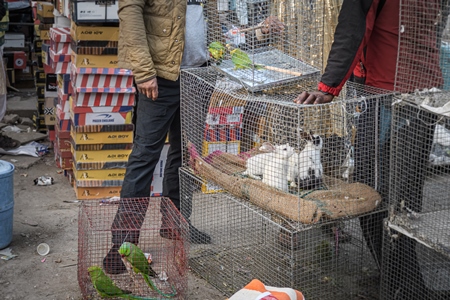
(249, 242)
(415, 249)
(264, 43)
(104, 225)
(307, 172)
(419, 198)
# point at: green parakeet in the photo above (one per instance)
(241, 60)
(106, 287)
(132, 254)
(216, 50)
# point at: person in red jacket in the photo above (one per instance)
(376, 46)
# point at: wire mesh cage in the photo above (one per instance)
(120, 240)
(419, 198)
(262, 43)
(249, 242)
(240, 148)
(309, 162)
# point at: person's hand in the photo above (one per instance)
(272, 25)
(149, 88)
(313, 98)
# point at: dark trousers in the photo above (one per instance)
(154, 120)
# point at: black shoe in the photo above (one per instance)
(198, 237)
(112, 263)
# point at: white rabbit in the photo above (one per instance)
(306, 166)
(276, 168)
(255, 164)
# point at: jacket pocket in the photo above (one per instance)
(159, 30)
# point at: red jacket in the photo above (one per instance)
(365, 24)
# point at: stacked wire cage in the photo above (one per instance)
(286, 191)
(166, 258)
(416, 259)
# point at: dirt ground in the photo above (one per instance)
(41, 215)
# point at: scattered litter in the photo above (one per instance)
(60, 171)
(112, 200)
(58, 261)
(71, 201)
(71, 265)
(43, 260)
(14, 160)
(43, 249)
(43, 180)
(12, 129)
(34, 149)
(24, 175)
(6, 254)
(163, 276)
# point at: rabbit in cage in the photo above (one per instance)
(272, 166)
(305, 168)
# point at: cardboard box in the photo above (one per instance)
(95, 193)
(51, 86)
(64, 83)
(39, 76)
(222, 133)
(95, 11)
(40, 91)
(14, 40)
(64, 163)
(93, 33)
(102, 117)
(91, 97)
(102, 134)
(45, 50)
(94, 61)
(100, 155)
(61, 131)
(101, 77)
(60, 40)
(108, 174)
(95, 47)
(44, 12)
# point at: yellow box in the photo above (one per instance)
(107, 174)
(44, 10)
(93, 33)
(113, 137)
(208, 148)
(92, 193)
(94, 61)
(50, 119)
(100, 155)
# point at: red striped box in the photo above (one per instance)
(62, 134)
(60, 34)
(222, 133)
(62, 96)
(61, 113)
(61, 67)
(64, 83)
(101, 77)
(60, 48)
(103, 96)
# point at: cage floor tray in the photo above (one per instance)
(431, 229)
(255, 80)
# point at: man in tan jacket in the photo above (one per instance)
(157, 39)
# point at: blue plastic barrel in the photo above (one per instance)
(6, 203)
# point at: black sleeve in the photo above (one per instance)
(348, 42)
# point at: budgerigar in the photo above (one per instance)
(106, 287)
(217, 50)
(241, 60)
(131, 253)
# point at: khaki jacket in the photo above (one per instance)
(151, 39)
